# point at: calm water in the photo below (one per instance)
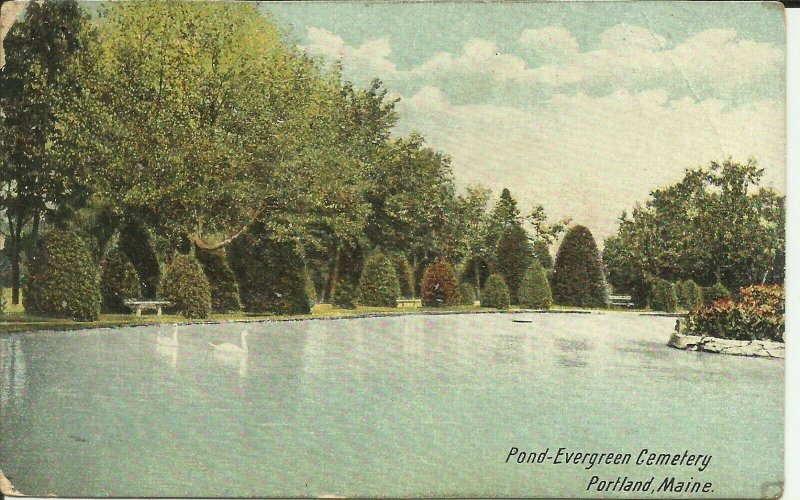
(392, 406)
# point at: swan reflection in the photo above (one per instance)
(167, 347)
(233, 355)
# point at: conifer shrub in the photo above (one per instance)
(513, 256)
(63, 279)
(466, 294)
(378, 286)
(224, 289)
(405, 276)
(541, 251)
(495, 293)
(119, 281)
(689, 294)
(534, 292)
(663, 296)
(714, 293)
(578, 275)
(345, 296)
(439, 286)
(185, 285)
(270, 274)
(135, 241)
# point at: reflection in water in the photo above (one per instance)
(233, 355)
(167, 347)
(12, 364)
(507, 348)
(574, 352)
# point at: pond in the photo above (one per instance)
(399, 406)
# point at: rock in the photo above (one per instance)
(6, 488)
(760, 348)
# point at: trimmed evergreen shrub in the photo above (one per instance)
(541, 251)
(345, 296)
(714, 293)
(118, 281)
(534, 292)
(405, 276)
(63, 279)
(270, 274)
(495, 293)
(513, 256)
(689, 294)
(378, 286)
(466, 294)
(663, 296)
(224, 289)
(186, 286)
(138, 246)
(578, 275)
(439, 285)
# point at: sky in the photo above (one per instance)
(583, 107)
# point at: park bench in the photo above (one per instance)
(142, 305)
(621, 300)
(410, 303)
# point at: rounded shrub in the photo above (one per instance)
(534, 292)
(714, 293)
(378, 286)
(345, 296)
(495, 293)
(513, 256)
(663, 296)
(578, 275)
(466, 294)
(405, 276)
(439, 285)
(224, 289)
(186, 286)
(118, 281)
(63, 279)
(689, 294)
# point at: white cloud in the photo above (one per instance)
(369, 60)
(625, 36)
(549, 43)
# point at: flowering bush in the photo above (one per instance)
(439, 286)
(757, 313)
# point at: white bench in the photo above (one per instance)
(141, 305)
(621, 300)
(409, 303)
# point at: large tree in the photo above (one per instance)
(578, 275)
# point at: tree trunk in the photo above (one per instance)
(335, 272)
(477, 269)
(15, 244)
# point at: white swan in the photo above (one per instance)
(231, 348)
(167, 341)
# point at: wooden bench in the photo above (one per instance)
(409, 303)
(621, 300)
(141, 305)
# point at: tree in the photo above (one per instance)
(379, 286)
(222, 282)
(663, 296)
(439, 286)
(513, 256)
(534, 291)
(135, 242)
(578, 277)
(504, 215)
(689, 294)
(495, 293)
(118, 281)
(541, 250)
(186, 287)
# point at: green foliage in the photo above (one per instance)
(534, 291)
(118, 281)
(379, 286)
(405, 276)
(495, 293)
(346, 296)
(625, 271)
(513, 256)
(663, 297)
(466, 294)
(578, 277)
(186, 287)
(2, 300)
(270, 273)
(311, 289)
(757, 313)
(689, 294)
(135, 242)
(63, 279)
(541, 250)
(714, 293)
(224, 289)
(439, 285)
(476, 271)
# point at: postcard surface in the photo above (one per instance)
(392, 249)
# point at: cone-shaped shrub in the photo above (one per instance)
(137, 245)
(534, 292)
(63, 279)
(495, 293)
(405, 276)
(224, 290)
(578, 276)
(541, 251)
(378, 286)
(118, 281)
(513, 257)
(345, 296)
(663, 296)
(689, 294)
(439, 285)
(714, 293)
(466, 294)
(270, 274)
(185, 285)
